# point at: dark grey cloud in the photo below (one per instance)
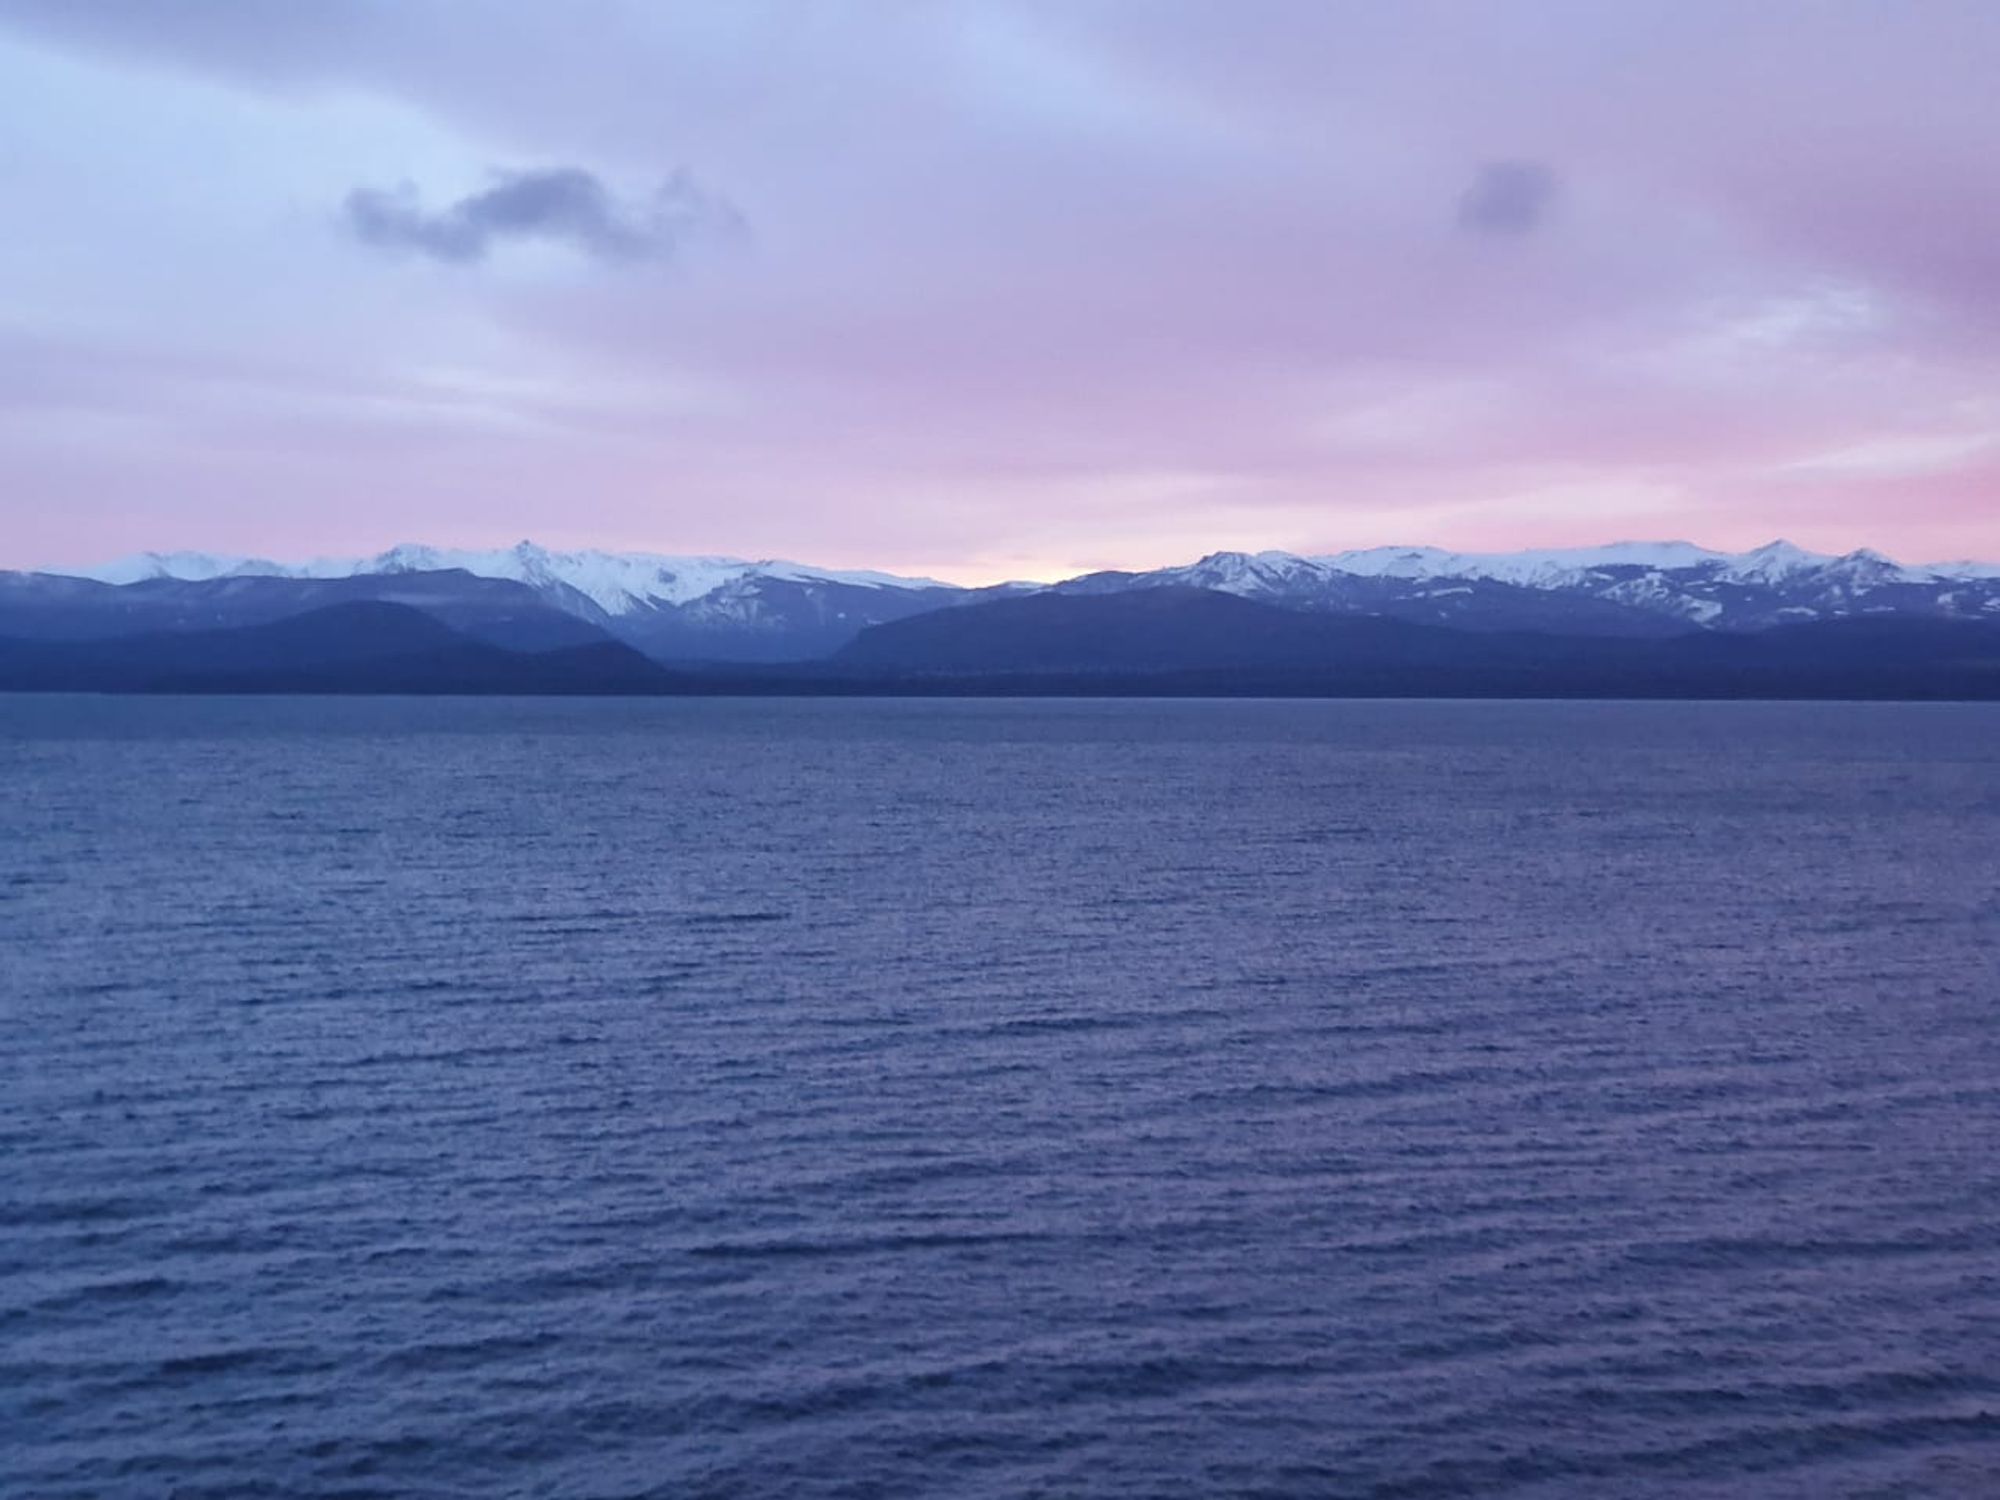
(561, 205)
(1507, 197)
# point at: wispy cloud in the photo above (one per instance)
(1898, 456)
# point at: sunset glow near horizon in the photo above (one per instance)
(1001, 288)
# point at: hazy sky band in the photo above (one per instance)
(987, 289)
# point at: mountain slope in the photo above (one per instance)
(365, 646)
(1177, 639)
(500, 612)
(1164, 629)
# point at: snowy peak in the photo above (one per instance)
(196, 567)
(622, 582)
(1773, 561)
(1866, 564)
(1611, 588)
(1245, 573)
(615, 582)
(1770, 563)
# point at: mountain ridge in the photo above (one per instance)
(1177, 638)
(683, 609)
(612, 581)
(608, 577)
(356, 645)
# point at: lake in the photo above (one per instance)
(885, 1098)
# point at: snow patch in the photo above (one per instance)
(1535, 569)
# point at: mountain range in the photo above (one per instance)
(671, 608)
(1676, 616)
(726, 609)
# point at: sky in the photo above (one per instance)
(997, 288)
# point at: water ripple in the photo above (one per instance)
(997, 1099)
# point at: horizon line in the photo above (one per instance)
(1061, 573)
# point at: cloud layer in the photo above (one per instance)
(1035, 284)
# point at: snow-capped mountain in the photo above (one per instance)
(670, 607)
(719, 608)
(1626, 587)
(615, 582)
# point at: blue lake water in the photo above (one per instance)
(879, 1098)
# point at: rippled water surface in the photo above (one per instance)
(991, 1099)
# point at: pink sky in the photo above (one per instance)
(998, 289)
